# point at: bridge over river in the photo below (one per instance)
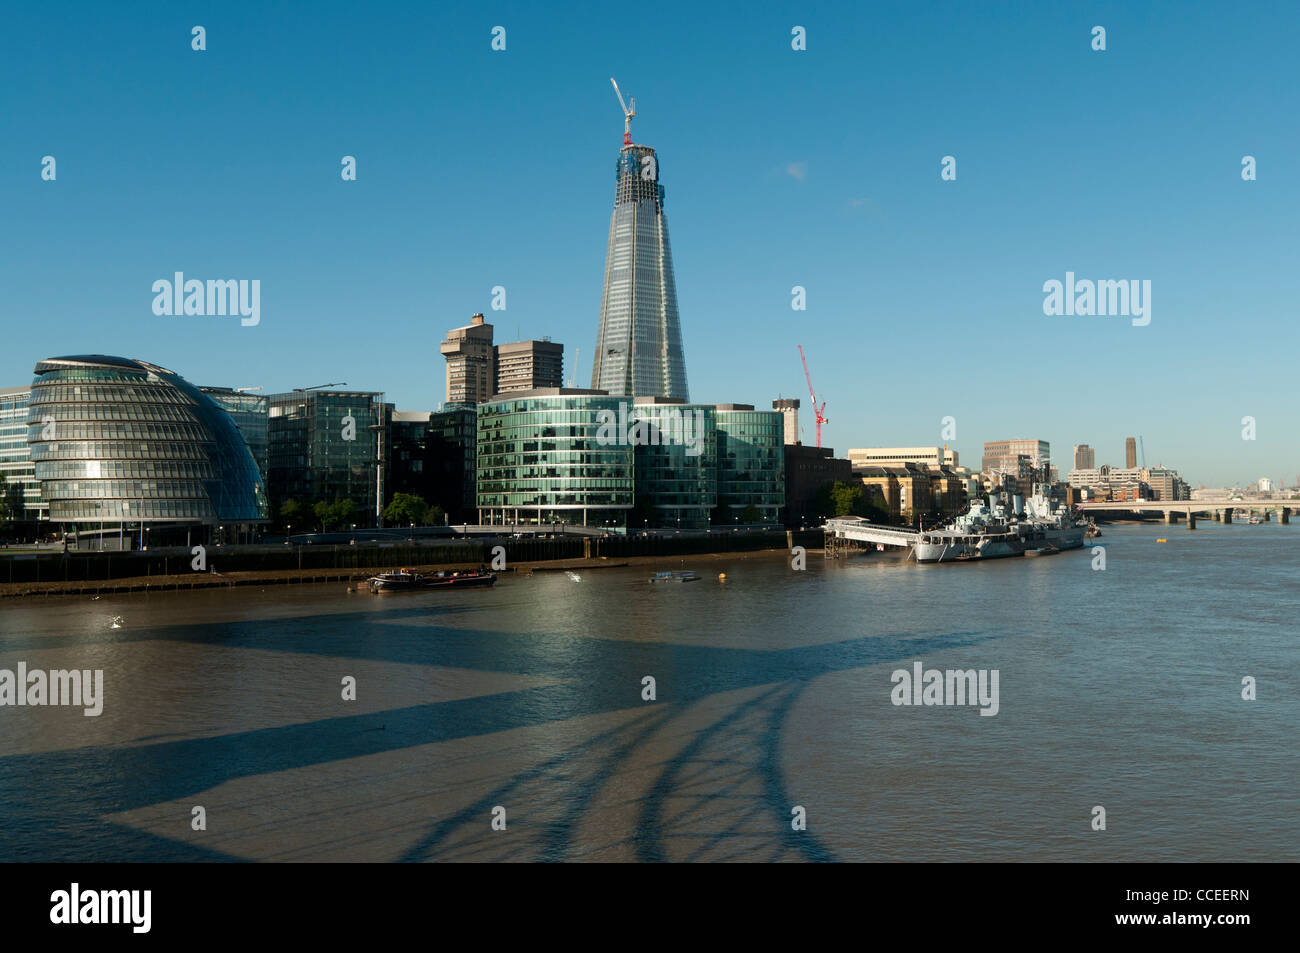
(1219, 510)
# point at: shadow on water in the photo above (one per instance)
(53, 804)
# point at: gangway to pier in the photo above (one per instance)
(852, 529)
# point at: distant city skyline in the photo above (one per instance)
(776, 183)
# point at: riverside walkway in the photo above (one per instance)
(855, 530)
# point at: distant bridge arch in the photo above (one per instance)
(1219, 510)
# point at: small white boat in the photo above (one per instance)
(675, 575)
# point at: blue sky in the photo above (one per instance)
(818, 168)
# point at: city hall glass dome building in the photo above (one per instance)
(130, 451)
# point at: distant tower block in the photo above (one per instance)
(639, 336)
(526, 365)
(1130, 452)
(789, 408)
(471, 362)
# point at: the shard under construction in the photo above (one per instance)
(639, 338)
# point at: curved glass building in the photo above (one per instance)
(541, 460)
(120, 444)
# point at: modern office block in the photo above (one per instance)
(251, 415)
(751, 464)
(324, 445)
(542, 460)
(528, 365)
(453, 455)
(788, 408)
(21, 489)
(676, 463)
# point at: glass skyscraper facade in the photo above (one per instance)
(453, 450)
(639, 337)
(751, 463)
(677, 466)
(540, 460)
(250, 415)
(21, 489)
(585, 457)
(129, 443)
(322, 448)
(408, 455)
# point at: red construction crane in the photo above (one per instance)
(821, 418)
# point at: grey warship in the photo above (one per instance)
(1006, 526)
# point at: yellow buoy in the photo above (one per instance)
(722, 576)
(1162, 540)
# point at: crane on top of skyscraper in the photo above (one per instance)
(817, 411)
(628, 114)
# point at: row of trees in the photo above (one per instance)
(324, 515)
(319, 516)
(407, 508)
(849, 499)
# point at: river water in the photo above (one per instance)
(1119, 688)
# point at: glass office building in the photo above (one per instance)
(453, 454)
(540, 460)
(408, 454)
(325, 445)
(676, 465)
(639, 336)
(250, 415)
(751, 464)
(21, 489)
(123, 448)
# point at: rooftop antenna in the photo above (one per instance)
(627, 114)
